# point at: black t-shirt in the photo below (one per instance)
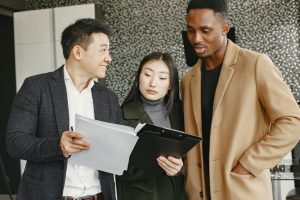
(209, 81)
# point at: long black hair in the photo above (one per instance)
(173, 94)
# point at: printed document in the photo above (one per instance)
(111, 145)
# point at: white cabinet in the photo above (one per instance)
(37, 35)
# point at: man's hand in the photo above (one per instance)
(72, 142)
(239, 169)
(170, 165)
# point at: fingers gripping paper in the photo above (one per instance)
(111, 145)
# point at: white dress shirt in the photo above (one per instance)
(80, 180)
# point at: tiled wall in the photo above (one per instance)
(140, 27)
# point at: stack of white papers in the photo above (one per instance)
(111, 145)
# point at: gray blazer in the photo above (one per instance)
(38, 117)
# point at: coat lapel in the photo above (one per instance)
(196, 95)
(227, 71)
(60, 100)
(101, 107)
(224, 79)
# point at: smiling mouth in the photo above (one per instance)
(104, 66)
(199, 49)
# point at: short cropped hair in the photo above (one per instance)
(218, 6)
(79, 33)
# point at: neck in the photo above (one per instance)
(217, 58)
(149, 104)
(79, 79)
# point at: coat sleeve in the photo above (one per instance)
(283, 113)
(22, 139)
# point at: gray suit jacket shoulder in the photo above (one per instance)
(39, 115)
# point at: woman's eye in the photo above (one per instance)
(147, 75)
(163, 78)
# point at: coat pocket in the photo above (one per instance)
(249, 187)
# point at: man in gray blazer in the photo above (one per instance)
(43, 113)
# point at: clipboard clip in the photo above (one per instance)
(175, 136)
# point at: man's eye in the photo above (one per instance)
(190, 30)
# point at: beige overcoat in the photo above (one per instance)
(256, 122)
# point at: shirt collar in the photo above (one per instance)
(68, 79)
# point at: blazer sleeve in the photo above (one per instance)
(283, 112)
(21, 139)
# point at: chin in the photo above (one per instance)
(152, 98)
(102, 75)
(202, 57)
(148, 97)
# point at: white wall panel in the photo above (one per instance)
(33, 26)
(32, 59)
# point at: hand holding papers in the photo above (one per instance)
(114, 146)
(111, 145)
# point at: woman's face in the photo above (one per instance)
(154, 81)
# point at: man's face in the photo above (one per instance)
(206, 31)
(95, 59)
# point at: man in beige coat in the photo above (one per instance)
(237, 101)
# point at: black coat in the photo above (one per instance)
(134, 184)
(38, 117)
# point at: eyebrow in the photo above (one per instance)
(162, 72)
(201, 27)
(103, 45)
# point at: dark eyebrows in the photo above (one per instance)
(148, 68)
(200, 28)
(162, 72)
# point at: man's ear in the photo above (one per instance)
(76, 52)
(225, 27)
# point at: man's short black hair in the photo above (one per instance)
(219, 6)
(79, 34)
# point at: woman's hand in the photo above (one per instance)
(170, 165)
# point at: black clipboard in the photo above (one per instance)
(155, 141)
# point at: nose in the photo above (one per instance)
(196, 38)
(108, 58)
(153, 83)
